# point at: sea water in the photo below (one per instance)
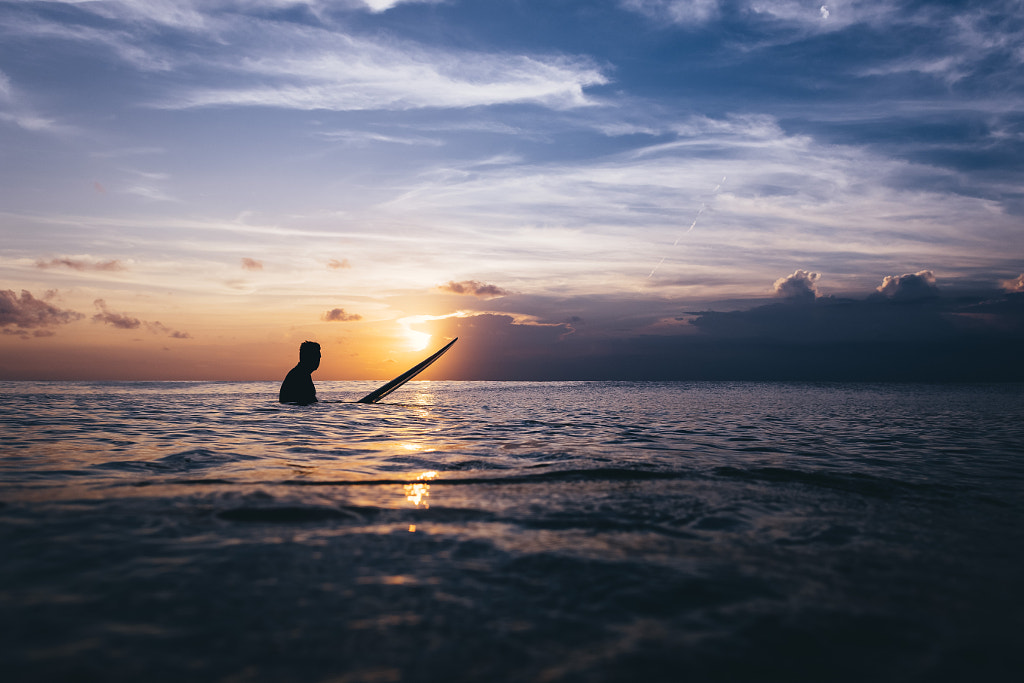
(488, 531)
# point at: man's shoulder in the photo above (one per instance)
(296, 371)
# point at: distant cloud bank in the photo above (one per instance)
(473, 288)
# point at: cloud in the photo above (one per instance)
(683, 12)
(365, 76)
(251, 264)
(1013, 285)
(126, 322)
(27, 312)
(82, 263)
(959, 337)
(158, 327)
(473, 288)
(128, 43)
(492, 345)
(909, 286)
(14, 111)
(6, 89)
(338, 315)
(244, 56)
(829, 339)
(118, 320)
(150, 192)
(385, 5)
(361, 138)
(800, 286)
(335, 264)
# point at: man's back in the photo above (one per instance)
(297, 386)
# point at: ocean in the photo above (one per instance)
(512, 531)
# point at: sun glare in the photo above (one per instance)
(417, 340)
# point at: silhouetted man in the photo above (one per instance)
(297, 386)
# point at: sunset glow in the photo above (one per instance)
(574, 189)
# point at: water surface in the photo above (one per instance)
(468, 531)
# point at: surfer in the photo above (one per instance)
(297, 386)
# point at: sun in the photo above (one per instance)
(417, 341)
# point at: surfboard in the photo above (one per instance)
(380, 393)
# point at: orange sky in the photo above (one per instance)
(189, 190)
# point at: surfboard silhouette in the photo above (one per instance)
(380, 393)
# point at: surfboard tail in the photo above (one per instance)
(383, 391)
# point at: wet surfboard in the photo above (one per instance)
(380, 393)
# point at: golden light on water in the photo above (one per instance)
(416, 492)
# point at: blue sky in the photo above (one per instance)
(580, 174)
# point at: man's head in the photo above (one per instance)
(309, 355)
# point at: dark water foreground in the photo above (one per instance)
(512, 532)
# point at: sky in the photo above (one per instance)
(577, 189)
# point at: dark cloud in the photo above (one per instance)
(473, 288)
(800, 286)
(338, 315)
(81, 264)
(118, 320)
(946, 337)
(158, 327)
(251, 264)
(335, 264)
(494, 345)
(126, 322)
(909, 286)
(27, 312)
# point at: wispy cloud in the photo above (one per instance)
(788, 197)
(6, 90)
(257, 61)
(15, 111)
(126, 322)
(362, 138)
(684, 12)
(356, 74)
(251, 263)
(82, 263)
(157, 327)
(125, 43)
(151, 192)
(385, 5)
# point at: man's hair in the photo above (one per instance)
(308, 348)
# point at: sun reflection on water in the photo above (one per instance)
(416, 492)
